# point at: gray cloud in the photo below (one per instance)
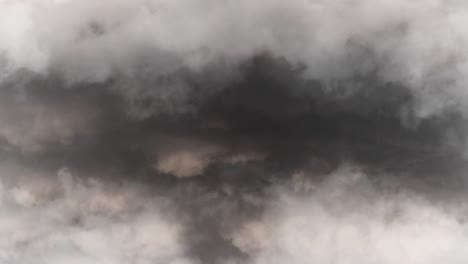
(336, 40)
(233, 131)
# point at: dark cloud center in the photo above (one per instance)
(268, 107)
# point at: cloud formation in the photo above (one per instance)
(348, 220)
(66, 220)
(336, 40)
(188, 131)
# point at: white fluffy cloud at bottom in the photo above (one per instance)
(72, 221)
(345, 219)
(345, 222)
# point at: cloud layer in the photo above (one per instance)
(238, 132)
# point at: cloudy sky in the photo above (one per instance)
(233, 131)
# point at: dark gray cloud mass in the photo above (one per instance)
(189, 131)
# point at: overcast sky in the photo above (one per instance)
(233, 131)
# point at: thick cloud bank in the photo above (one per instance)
(237, 132)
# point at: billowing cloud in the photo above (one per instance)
(67, 220)
(348, 220)
(267, 131)
(336, 40)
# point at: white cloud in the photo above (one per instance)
(85, 223)
(346, 220)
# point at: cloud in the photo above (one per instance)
(268, 131)
(348, 220)
(335, 40)
(85, 222)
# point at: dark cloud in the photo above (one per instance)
(219, 154)
(175, 132)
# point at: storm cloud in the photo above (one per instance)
(233, 131)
